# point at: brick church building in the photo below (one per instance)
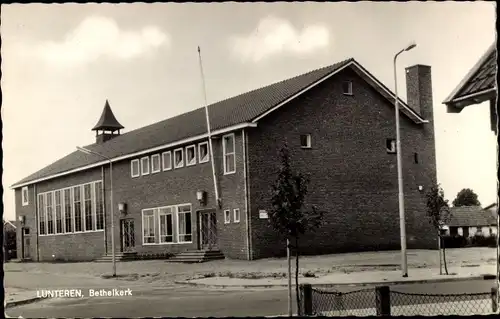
(338, 122)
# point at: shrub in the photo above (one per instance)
(480, 240)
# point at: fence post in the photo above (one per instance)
(494, 305)
(307, 299)
(383, 301)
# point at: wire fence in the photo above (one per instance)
(382, 301)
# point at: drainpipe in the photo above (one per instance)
(35, 200)
(245, 179)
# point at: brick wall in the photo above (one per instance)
(352, 177)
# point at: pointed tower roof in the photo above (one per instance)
(108, 120)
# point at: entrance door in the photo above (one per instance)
(26, 243)
(208, 230)
(127, 235)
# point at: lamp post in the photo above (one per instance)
(87, 151)
(404, 265)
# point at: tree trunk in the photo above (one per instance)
(297, 291)
(289, 261)
(444, 257)
(440, 255)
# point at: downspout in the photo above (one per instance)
(103, 205)
(243, 139)
(35, 200)
(247, 196)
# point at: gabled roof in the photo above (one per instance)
(467, 216)
(108, 120)
(478, 85)
(237, 112)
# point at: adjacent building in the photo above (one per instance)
(469, 221)
(338, 122)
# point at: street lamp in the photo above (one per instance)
(404, 264)
(87, 151)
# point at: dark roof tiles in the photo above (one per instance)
(470, 216)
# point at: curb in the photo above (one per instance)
(23, 302)
(391, 283)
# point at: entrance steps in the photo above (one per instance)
(129, 256)
(197, 256)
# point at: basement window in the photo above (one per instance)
(390, 146)
(305, 141)
(347, 88)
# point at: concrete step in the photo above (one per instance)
(197, 256)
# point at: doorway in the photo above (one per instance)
(208, 230)
(127, 234)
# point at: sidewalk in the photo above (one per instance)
(18, 296)
(365, 278)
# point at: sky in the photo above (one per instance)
(61, 62)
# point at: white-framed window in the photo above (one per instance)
(25, 196)
(166, 223)
(87, 206)
(178, 158)
(347, 87)
(148, 226)
(135, 168)
(236, 215)
(228, 149)
(58, 209)
(227, 216)
(155, 163)
(42, 228)
(49, 200)
(203, 150)
(390, 145)
(166, 158)
(185, 230)
(77, 207)
(190, 155)
(305, 141)
(145, 165)
(68, 211)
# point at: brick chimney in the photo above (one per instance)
(419, 90)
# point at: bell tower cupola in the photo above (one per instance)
(108, 126)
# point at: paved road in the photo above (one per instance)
(177, 301)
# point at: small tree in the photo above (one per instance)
(466, 197)
(439, 214)
(287, 215)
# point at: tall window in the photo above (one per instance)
(167, 160)
(87, 198)
(135, 168)
(190, 155)
(228, 148)
(145, 165)
(77, 208)
(155, 163)
(59, 218)
(99, 206)
(50, 213)
(41, 214)
(148, 224)
(184, 219)
(178, 158)
(166, 217)
(203, 152)
(25, 196)
(67, 210)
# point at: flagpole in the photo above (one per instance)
(209, 133)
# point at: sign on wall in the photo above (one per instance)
(263, 214)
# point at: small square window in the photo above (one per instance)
(305, 141)
(390, 145)
(134, 168)
(167, 160)
(178, 158)
(415, 158)
(347, 88)
(236, 215)
(227, 216)
(203, 152)
(25, 195)
(190, 155)
(145, 165)
(155, 163)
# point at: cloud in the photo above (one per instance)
(97, 37)
(273, 36)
